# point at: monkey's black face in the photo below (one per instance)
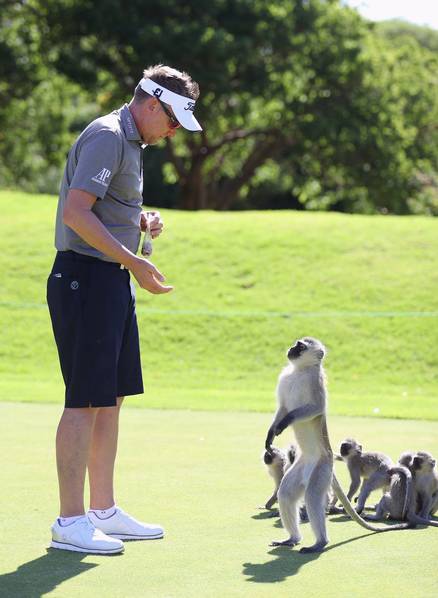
(350, 447)
(308, 350)
(297, 350)
(345, 449)
(423, 461)
(268, 458)
(417, 463)
(274, 454)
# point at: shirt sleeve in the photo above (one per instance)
(98, 161)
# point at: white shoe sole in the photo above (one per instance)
(74, 548)
(133, 537)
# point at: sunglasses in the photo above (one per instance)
(174, 124)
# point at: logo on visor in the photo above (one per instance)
(158, 92)
(102, 176)
(190, 106)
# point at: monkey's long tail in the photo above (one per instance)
(354, 515)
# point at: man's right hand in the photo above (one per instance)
(149, 277)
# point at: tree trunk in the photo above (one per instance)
(193, 190)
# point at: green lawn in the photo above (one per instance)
(200, 475)
(246, 285)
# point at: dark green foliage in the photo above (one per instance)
(304, 103)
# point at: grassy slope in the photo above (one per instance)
(218, 341)
(180, 469)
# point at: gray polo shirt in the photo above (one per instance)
(105, 160)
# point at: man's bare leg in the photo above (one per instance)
(102, 457)
(72, 449)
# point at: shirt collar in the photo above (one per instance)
(128, 125)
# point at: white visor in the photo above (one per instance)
(182, 106)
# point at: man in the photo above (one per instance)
(92, 302)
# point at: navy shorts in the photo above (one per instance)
(92, 308)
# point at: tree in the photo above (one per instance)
(300, 100)
(269, 70)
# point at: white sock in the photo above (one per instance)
(64, 521)
(104, 514)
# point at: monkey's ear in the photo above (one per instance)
(360, 447)
(320, 353)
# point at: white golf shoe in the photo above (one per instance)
(82, 536)
(124, 527)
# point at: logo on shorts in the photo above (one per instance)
(102, 176)
(74, 285)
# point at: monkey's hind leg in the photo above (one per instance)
(289, 494)
(316, 501)
(375, 481)
(382, 509)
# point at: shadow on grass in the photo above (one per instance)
(274, 514)
(288, 562)
(267, 514)
(42, 575)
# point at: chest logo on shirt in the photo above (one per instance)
(102, 176)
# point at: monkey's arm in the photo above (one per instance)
(299, 414)
(426, 505)
(355, 483)
(281, 411)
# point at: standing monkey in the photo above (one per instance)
(302, 403)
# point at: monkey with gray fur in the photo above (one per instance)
(371, 466)
(302, 403)
(277, 462)
(406, 458)
(425, 484)
(397, 502)
(410, 496)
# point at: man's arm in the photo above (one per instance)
(78, 216)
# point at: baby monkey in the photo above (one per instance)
(425, 484)
(412, 495)
(277, 462)
(372, 467)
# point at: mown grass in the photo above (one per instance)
(246, 285)
(200, 475)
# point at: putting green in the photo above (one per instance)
(200, 475)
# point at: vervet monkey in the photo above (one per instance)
(411, 494)
(406, 459)
(371, 466)
(425, 484)
(302, 403)
(277, 462)
(397, 502)
(425, 481)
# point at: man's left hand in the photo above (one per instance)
(155, 222)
